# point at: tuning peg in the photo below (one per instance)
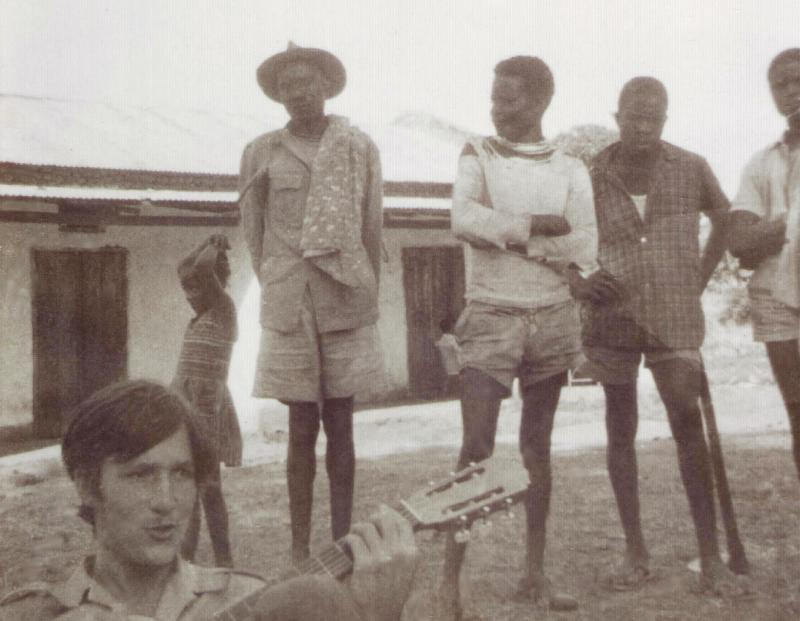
(452, 474)
(461, 536)
(431, 483)
(472, 464)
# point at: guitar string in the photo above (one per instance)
(339, 561)
(332, 559)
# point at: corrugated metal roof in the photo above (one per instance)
(114, 195)
(166, 197)
(80, 133)
(91, 134)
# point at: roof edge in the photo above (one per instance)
(20, 173)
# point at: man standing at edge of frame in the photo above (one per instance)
(525, 211)
(649, 195)
(764, 236)
(311, 202)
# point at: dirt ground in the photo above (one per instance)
(41, 538)
(401, 449)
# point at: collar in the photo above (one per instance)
(185, 584)
(524, 148)
(781, 145)
(333, 120)
(336, 123)
(602, 161)
(784, 136)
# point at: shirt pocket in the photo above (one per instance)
(286, 205)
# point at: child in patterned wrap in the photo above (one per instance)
(201, 378)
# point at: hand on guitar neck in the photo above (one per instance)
(384, 561)
(378, 558)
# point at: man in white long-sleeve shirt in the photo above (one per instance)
(526, 213)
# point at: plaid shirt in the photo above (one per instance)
(656, 259)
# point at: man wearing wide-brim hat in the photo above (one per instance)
(311, 204)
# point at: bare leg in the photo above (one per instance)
(784, 358)
(480, 405)
(539, 403)
(213, 503)
(217, 520)
(678, 383)
(621, 425)
(301, 467)
(192, 536)
(340, 461)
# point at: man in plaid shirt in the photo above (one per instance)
(648, 198)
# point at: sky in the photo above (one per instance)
(429, 56)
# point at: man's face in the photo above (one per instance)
(641, 121)
(301, 88)
(784, 82)
(144, 504)
(514, 109)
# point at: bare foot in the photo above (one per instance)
(632, 573)
(718, 580)
(447, 604)
(538, 588)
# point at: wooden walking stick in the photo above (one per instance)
(737, 561)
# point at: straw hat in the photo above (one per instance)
(331, 67)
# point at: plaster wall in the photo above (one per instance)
(392, 325)
(157, 310)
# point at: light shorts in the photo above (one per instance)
(304, 365)
(608, 365)
(532, 344)
(772, 320)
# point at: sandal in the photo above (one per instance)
(626, 578)
(740, 588)
(527, 590)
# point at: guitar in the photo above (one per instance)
(452, 504)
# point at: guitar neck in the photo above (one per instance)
(334, 561)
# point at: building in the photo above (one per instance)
(98, 203)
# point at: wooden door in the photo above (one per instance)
(433, 282)
(80, 329)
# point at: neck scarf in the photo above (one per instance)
(525, 148)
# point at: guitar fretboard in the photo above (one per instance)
(335, 561)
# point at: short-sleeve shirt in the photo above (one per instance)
(192, 593)
(764, 191)
(656, 258)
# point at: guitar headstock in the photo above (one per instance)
(453, 503)
(473, 493)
